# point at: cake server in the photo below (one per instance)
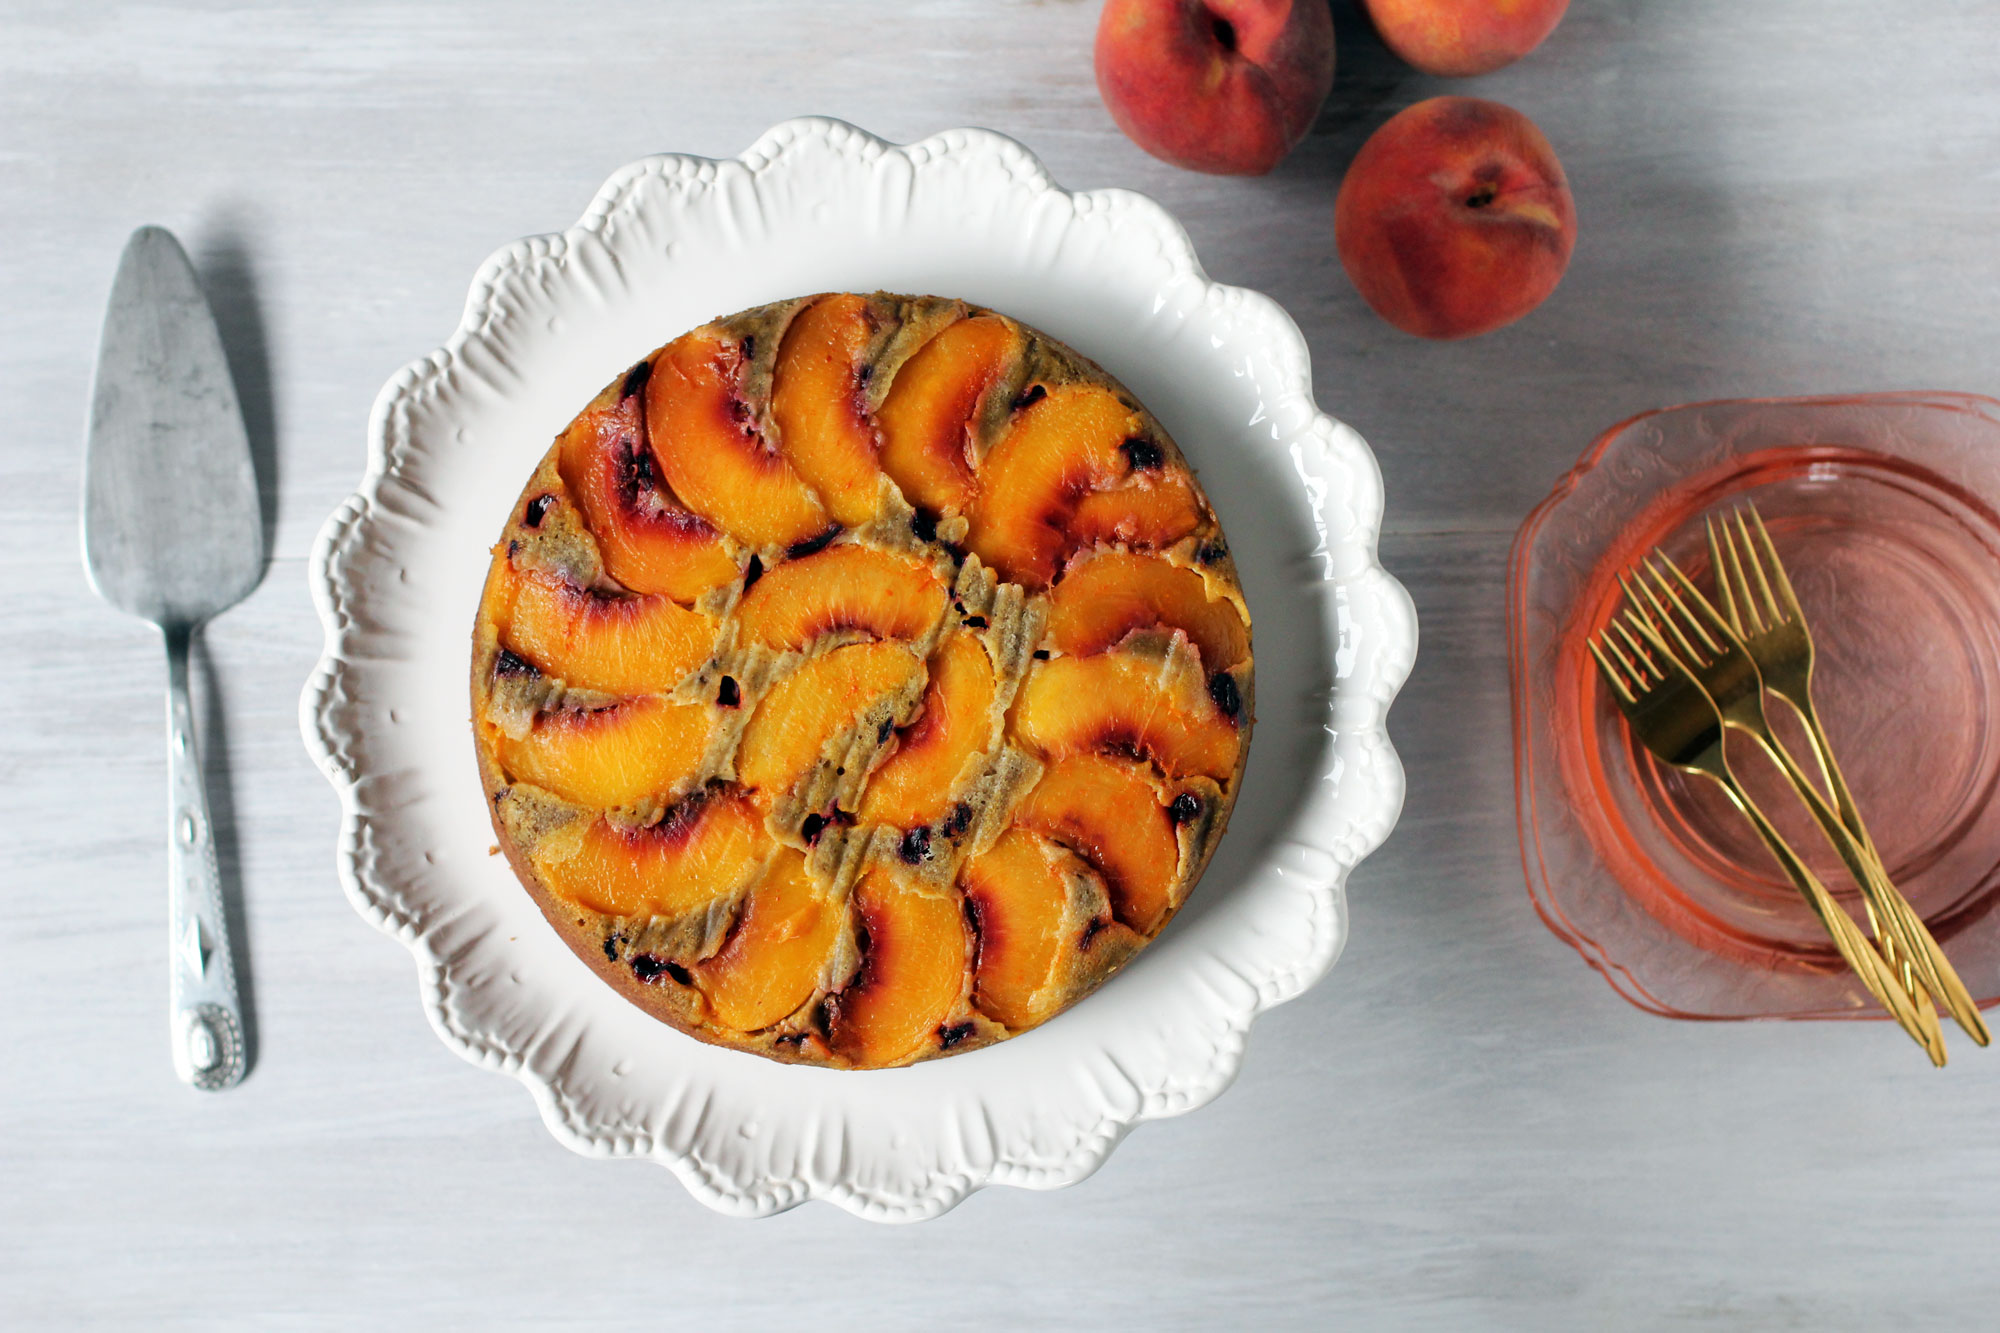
(172, 533)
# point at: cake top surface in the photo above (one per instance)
(861, 679)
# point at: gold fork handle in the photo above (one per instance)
(1916, 937)
(1886, 904)
(1916, 1016)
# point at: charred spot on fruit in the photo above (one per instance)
(974, 622)
(882, 732)
(749, 345)
(959, 820)
(814, 825)
(1484, 196)
(649, 968)
(752, 572)
(1041, 654)
(1091, 929)
(635, 379)
(1143, 454)
(1185, 809)
(682, 817)
(537, 510)
(915, 848)
(611, 943)
(1222, 689)
(513, 548)
(727, 695)
(812, 545)
(1121, 742)
(951, 1034)
(1034, 394)
(636, 472)
(510, 664)
(1212, 553)
(923, 523)
(974, 918)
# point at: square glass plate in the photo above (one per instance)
(1883, 509)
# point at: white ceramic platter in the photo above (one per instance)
(817, 205)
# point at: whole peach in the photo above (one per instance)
(1227, 86)
(1461, 37)
(1465, 37)
(1455, 218)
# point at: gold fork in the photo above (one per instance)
(1766, 615)
(1724, 668)
(1675, 718)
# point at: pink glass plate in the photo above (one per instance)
(1884, 510)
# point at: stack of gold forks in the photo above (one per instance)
(1684, 672)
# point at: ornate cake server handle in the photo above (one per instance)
(204, 1009)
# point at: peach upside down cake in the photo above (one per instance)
(861, 679)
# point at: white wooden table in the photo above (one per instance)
(1462, 1127)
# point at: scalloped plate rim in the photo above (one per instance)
(1188, 1089)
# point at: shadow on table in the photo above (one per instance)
(222, 260)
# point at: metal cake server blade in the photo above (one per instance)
(173, 533)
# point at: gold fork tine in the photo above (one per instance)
(1738, 582)
(1721, 567)
(1635, 676)
(1773, 564)
(1662, 618)
(1701, 603)
(1644, 677)
(1610, 675)
(1776, 613)
(1707, 612)
(1645, 639)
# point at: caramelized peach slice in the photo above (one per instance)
(1077, 449)
(649, 543)
(817, 401)
(1154, 509)
(772, 960)
(613, 756)
(1106, 595)
(927, 417)
(813, 705)
(712, 453)
(1133, 702)
(620, 645)
(1017, 890)
(914, 784)
(1108, 811)
(706, 848)
(912, 970)
(880, 593)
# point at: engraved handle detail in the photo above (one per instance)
(205, 1013)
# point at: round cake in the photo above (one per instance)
(861, 679)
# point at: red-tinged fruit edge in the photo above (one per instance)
(1223, 86)
(1455, 218)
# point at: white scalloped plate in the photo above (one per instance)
(817, 205)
